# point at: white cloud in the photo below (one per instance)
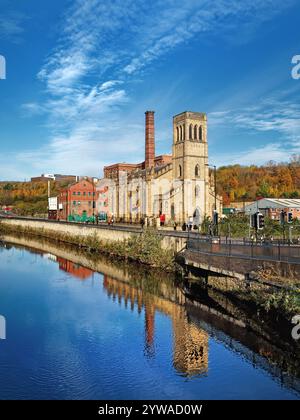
(269, 114)
(32, 108)
(279, 117)
(11, 26)
(260, 155)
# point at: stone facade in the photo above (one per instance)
(177, 186)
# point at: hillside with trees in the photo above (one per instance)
(27, 198)
(246, 183)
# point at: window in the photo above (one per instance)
(74, 193)
(90, 193)
(200, 133)
(195, 132)
(177, 131)
(74, 203)
(79, 203)
(180, 133)
(180, 171)
(84, 193)
(197, 170)
(90, 203)
(191, 132)
(183, 129)
(78, 193)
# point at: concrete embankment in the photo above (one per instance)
(145, 246)
(105, 234)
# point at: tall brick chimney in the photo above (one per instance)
(149, 140)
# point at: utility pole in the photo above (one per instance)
(49, 186)
(215, 179)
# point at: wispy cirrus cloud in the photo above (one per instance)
(269, 114)
(274, 115)
(11, 26)
(102, 47)
(258, 155)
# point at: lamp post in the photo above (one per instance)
(94, 202)
(215, 193)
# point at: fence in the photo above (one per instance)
(274, 251)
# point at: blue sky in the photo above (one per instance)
(81, 73)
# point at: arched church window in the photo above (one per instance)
(177, 133)
(180, 132)
(195, 132)
(180, 171)
(191, 132)
(200, 133)
(183, 129)
(197, 170)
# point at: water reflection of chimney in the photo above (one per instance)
(140, 301)
(149, 329)
(132, 299)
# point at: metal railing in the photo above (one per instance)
(244, 248)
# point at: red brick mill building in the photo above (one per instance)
(77, 199)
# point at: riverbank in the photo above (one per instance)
(145, 247)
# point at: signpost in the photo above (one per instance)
(52, 208)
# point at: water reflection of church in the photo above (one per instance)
(190, 343)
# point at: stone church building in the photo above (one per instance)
(178, 186)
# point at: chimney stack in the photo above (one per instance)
(149, 140)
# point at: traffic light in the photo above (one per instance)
(260, 220)
(253, 220)
(290, 217)
(216, 218)
(282, 217)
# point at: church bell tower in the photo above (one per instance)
(190, 162)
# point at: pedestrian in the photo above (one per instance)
(184, 226)
(175, 226)
(190, 223)
(142, 222)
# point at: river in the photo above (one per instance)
(91, 328)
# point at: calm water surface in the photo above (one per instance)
(73, 333)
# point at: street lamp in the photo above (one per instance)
(94, 202)
(215, 188)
